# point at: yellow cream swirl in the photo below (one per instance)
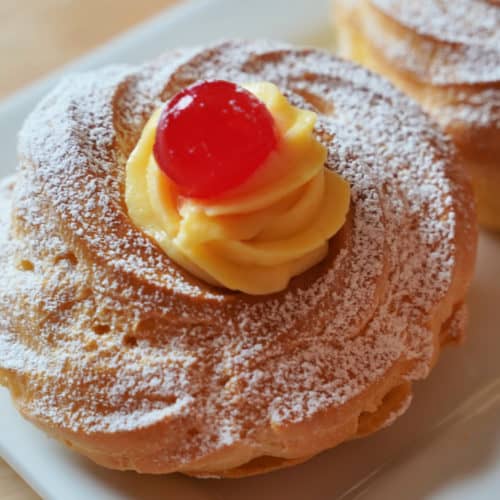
(257, 237)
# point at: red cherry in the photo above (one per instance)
(212, 136)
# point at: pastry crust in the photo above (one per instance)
(114, 350)
(446, 55)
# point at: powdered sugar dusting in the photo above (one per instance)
(111, 336)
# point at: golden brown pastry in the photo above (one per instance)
(446, 55)
(113, 349)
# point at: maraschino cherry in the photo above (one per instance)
(212, 136)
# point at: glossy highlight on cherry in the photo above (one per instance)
(212, 136)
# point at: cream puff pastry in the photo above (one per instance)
(446, 55)
(112, 347)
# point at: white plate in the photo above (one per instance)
(447, 446)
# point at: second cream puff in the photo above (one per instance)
(446, 55)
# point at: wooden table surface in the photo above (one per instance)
(38, 36)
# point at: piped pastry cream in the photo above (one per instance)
(256, 236)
